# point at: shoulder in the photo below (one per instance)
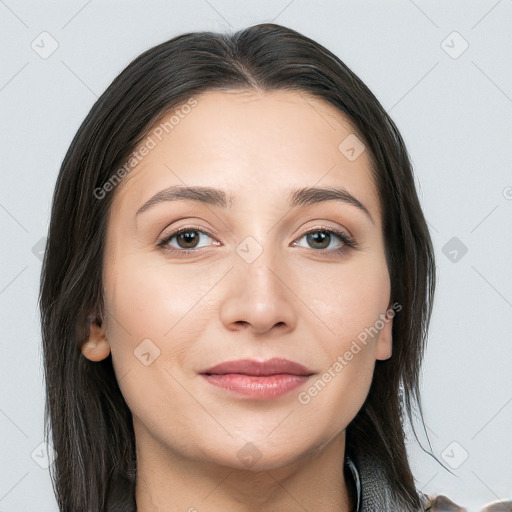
(443, 504)
(440, 504)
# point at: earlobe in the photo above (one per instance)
(97, 347)
(384, 348)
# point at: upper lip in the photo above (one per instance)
(274, 366)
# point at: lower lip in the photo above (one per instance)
(259, 388)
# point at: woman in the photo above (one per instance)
(237, 287)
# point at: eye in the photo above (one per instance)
(187, 240)
(322, 240)
(184, 240)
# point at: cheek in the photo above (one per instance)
(158, 309)
(152, 300)
(154, 312)
(348, 303)
(345, 299)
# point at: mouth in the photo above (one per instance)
(274, 366)
(259, 380)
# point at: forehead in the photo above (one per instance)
(255, 145)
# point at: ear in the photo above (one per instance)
(97, 347)
(384, 346)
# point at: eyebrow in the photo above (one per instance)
(215, 197)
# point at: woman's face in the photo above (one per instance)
(250, 282)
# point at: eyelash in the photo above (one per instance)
(348, 243)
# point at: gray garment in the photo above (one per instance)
(373, 491)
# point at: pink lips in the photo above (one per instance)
(258, 380)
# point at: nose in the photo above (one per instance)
(259, 297)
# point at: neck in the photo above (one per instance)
(168, 482)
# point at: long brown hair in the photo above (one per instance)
(86, 418)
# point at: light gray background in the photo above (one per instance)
(454, 109)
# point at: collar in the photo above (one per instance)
(356, 483)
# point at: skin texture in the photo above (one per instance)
(212, 305)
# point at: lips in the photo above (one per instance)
(257, 380)
(274, 366)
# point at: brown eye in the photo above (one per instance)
(187, 239)
(327, 240)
